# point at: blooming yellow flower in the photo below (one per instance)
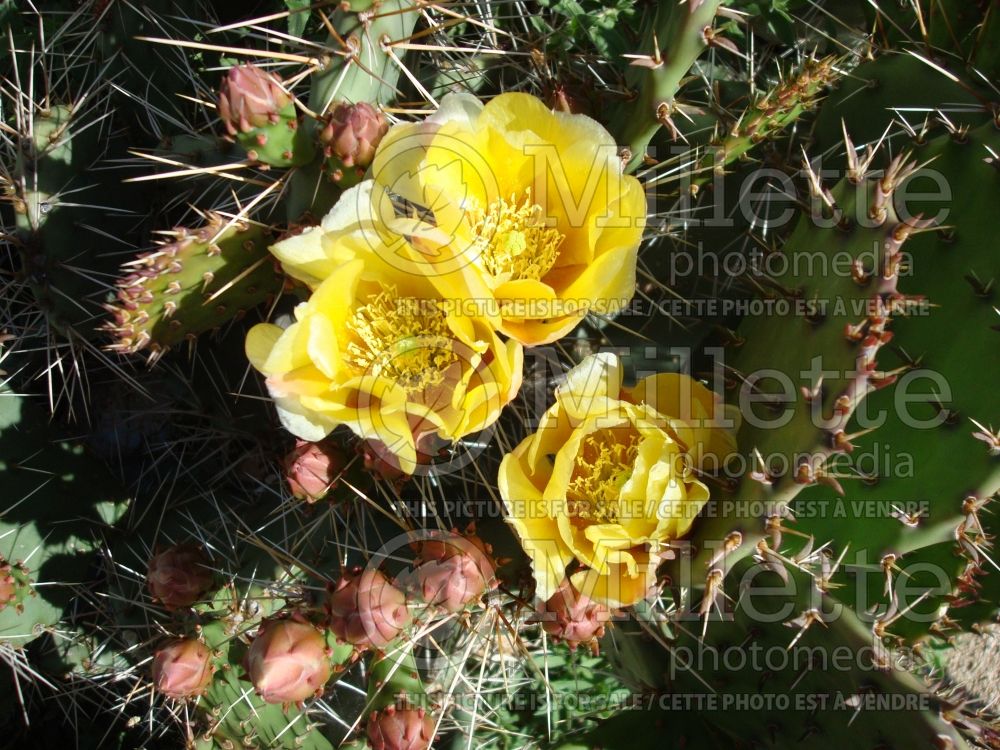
(608, 479)
(526, 209)
(378, 349)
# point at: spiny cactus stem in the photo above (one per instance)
(361, 69)
(773, 494)
(678, 35)
(774, 112)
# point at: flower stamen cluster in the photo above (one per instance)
(513, 241)
(402, 338)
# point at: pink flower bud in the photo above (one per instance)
(8, 586)
(352, 133)
(312, 469)
(183, 668)
(288, 661)
(250, 98)
(400, 729)
(179, 576)
(379, 461)
(574, 618)
(454, 571)
(365, 610)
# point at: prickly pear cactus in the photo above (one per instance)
(228, 549)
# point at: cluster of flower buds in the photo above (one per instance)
(365, 609)
(179, 576)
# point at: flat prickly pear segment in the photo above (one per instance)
(765, 672)
(930, 499)
(802, 369)
(195, 284)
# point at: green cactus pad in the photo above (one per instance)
(194, 284)
(56, 499)
(760, 676)
(281, 144)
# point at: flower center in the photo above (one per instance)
(602, 466)
(512, 241)
(405, 339)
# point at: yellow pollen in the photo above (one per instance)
(603, 465)
(404, 339)
(512, 240)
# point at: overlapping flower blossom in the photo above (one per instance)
(532, 214)
(378, 349)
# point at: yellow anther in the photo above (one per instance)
(512, 240)
(404, 339)
(603, 465)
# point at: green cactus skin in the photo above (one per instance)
(891, 546)
(192, 285)
(826, 706)
(238, 718)
(394, 679)
(892, 87)
(49, 193)
(836, 323)
(956, 471)
(674, 41)
(55, 501)
(364, 71)
(281, 144)
(953, 25)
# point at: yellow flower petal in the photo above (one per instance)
(617, 587)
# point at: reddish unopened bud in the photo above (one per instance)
(400, 729)
(179, 575)
(380, 462)
(8, 586)
(313, 468)
(365, 610)
(574, 618)
(288, 661)
(183, 668)
(352, 133)
(454, 571)
(251, 98)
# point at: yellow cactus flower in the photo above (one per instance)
(608, 480)
(526, 209)
(377, 349)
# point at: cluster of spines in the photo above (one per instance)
(772, 112)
